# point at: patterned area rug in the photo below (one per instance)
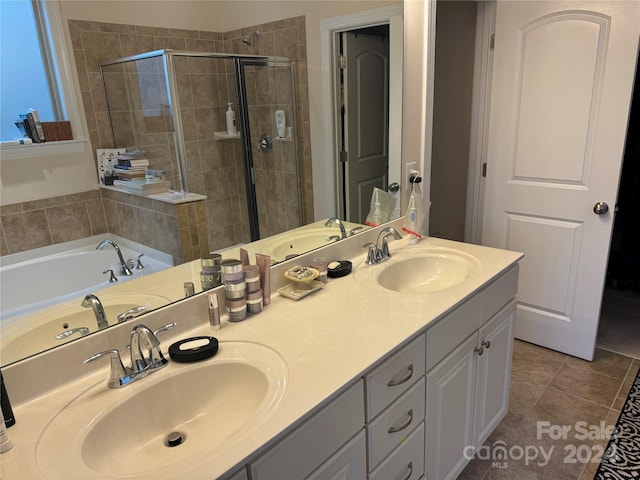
(621, 459)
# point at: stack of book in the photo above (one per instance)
(131, 165)
(143, 187)
(30, 126)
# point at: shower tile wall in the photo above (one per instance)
(214, 167)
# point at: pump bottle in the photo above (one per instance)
(231, 121)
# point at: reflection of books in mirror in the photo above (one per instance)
(133, 163)
(16, 141)
(31, 121)
(128, 174)
(144, 187)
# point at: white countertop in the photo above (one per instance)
(327, 341)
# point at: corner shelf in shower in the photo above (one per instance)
(225, 136)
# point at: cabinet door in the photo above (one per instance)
(347, 464)
(450, 399)
(494, 369)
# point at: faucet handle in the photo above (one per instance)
(132, 313)
(164, 328)
(139, 265)
(112, 276)
(118, 370)
(373, 254)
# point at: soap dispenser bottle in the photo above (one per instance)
(231, 121)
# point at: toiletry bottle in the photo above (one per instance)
(231, 121)
(281, 123)
(214, 311)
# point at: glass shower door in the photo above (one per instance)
(266, 90)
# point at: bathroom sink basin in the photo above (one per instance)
(125, 432)
(302, 242)
(37, 332)
(420, 270)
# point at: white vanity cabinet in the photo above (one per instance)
(468, 389)
(322, 443)
(395, 392)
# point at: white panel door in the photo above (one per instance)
(562, 83)
(366, 113)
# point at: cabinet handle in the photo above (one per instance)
(405, 379)
(478, 350)
(410, 466)
(486, 344)
(404, 425)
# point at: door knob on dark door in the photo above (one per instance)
(600, 208)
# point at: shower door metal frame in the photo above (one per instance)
(239, 65)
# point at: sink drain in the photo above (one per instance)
(174, 439)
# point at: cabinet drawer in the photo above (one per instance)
(406, 462)
(393, 425)
(241, 475)
(315, 441)
(348, 463)
(394, 376)
(451, 331)
(498, 294)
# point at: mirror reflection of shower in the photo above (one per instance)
(248, 40)
(172, 105)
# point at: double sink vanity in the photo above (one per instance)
(398, 370)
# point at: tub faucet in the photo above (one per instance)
(93, 302)
(124, 268)
(331, 221)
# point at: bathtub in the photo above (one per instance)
(46, 276)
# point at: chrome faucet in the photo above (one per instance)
(331, 221)
(146, 356)
(145, 348)
(379, 251)
(124, 268)
(93, 302)
(383, 244)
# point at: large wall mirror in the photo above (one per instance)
(326, 25)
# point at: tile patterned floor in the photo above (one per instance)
(551, 391)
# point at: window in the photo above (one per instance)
(28, 66)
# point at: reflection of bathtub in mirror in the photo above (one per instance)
(62, 323)
(46, 276)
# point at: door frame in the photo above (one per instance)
(328, 178)
(479, 129)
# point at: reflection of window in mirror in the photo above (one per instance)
(29, 77)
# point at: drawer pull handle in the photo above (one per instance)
(487, 344)
(478, 350)
(410, 466)
(404, 425)
(405, 379)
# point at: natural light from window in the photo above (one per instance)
(23, 77)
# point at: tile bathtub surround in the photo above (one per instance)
(550, 391)
(179, 230)
(215, 168)
(28, 225)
